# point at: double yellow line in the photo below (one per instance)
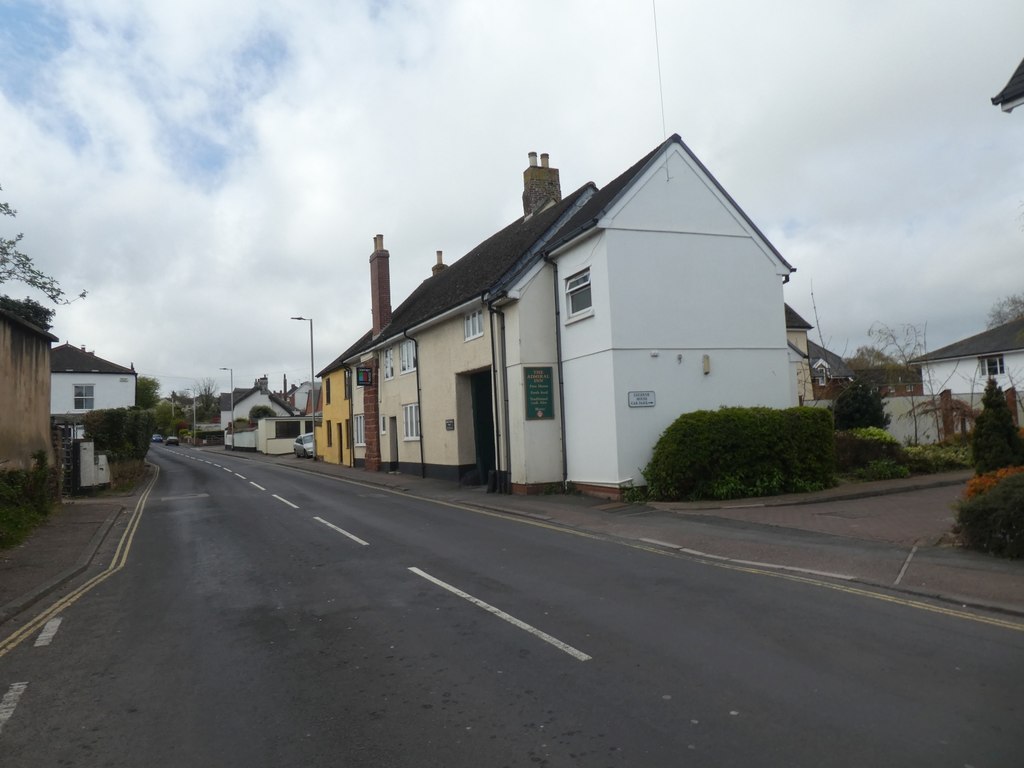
(116, 564)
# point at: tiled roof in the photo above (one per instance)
(68, 358)
(1004, 338)
(794, 321)
(31, 327)
(1014, 89)
(838, 369)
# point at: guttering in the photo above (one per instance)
(419, 406)
(504, 419)
(558, 358)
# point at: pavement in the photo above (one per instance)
(893, 534)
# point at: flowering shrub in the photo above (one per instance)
(980, 484)
(993, 521)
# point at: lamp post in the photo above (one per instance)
(312, 387)
(232, 372)
(195, 395)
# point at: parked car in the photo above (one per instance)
(158, 438)
(304, 446)
(171, 440)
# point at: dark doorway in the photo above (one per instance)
(483, 424)
(393, 426)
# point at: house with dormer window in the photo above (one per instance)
(560, 348)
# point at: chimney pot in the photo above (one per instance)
(439, 266)
(544, 160)
(541, 185)
(378, 242)
(533, 159)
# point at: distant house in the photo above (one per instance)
(800, 370)
(558, 349)
(245, 400)
(80, 382)
(25, 391)
(964, 367)
(1012, 96)
(829, 372)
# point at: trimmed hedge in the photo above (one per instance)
(26, 497)
(993, 521)
(740, 452)
(124, 433)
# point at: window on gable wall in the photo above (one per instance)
(474, 323)
(992, 366)
(84, 397)
(389, 363)
(577, 293)
(407, 355)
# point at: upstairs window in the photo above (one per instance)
(992, 366)
(389, 363)
(474, 323)
(407, 355)
(327, 392)
(84, 397)
(577, 293)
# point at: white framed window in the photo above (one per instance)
(992, 366)
(407, 356)
(389, 363)
(358, 430)
(411, 413)
(474, 323)
(85, 397)
(577, 294)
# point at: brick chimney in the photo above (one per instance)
(440, 266)
(380, 285)
(540, 184)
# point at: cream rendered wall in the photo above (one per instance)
(800, 368)
(675, 275)
(393, 394)
(536, 444)
(445, 394)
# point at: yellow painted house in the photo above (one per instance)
(334, 432)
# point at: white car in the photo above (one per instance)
(304, 446)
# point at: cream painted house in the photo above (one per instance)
(560, 348)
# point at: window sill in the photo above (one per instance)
(585, 314)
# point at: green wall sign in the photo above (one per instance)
(540, 399)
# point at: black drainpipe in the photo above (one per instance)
(494, 395)
(558, 357)
(419, 402)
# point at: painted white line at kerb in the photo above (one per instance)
(906, 564)
(285, 501)
(10, 701)
(49, 630)
(773, 566)
(256, 485)
(575, 653)
(343, 532)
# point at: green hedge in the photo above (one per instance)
(26, 497)
(994, 520)
(124, 433)
(741, 452)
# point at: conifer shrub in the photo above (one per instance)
(995, 442)
(993, 520)
(859, 405)
(740, 452)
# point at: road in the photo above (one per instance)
(256, 615)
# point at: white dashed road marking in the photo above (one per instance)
(49, 630)
(9, 702)
(343, 532)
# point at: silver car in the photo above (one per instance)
(303, 446)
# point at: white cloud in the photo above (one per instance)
(207, 170)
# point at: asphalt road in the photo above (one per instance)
(261, 616)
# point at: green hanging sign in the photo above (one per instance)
(540, 399)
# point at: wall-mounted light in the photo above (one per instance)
(707, 364)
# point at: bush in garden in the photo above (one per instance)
(995, 442)
(943, 457)
(882, 469)
(993, 521)
(859, 405)
(984, 483)
(739, 452)
(857, 448)
(124, 433)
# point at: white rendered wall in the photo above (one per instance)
(110, 390)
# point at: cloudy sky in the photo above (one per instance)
(206, 170)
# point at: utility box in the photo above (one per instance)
(89, 468)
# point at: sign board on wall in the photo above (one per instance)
(540, 399)
(644, 399)
(364, 376)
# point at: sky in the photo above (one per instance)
(208, 170)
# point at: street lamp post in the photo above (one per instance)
(195, 395)
(312, 387)
(232, 372)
